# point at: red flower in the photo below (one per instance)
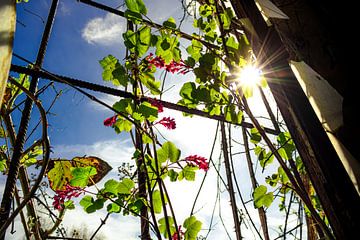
(157, 104)
(199, 161)
(109, 122)
(62, 195)
(172, 67)
(167, 122)
(175, 235)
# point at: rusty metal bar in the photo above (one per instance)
(116, 92)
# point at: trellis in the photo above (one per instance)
(330, 181)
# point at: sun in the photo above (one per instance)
(249, 76)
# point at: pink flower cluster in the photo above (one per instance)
(199, 161)
(157, 104)
(109, 122)
(62, 195)
(167, 122)
(175, 235)
(173, 66)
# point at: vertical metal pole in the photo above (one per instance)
(336, 192)
(20, 139)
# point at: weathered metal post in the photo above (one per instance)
(337, 193)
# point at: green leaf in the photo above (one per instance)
(193, 227)
(261, 197)
(60, 175)
(2, 132)
(120, 76)
(137, 205)
(202, 94)
(3, 165)
(90, 205)
(133, 16)
(144, 40)
(124, 105)
(283, 153)
(187, 90)
(123, 125)
(146, 139)
(255, 136)
(113, 208)
(206, 10)
(273, 180)
(157, 203)
(207, 60)
(152, 85)
(167, 47)
(232, 43)
(287, 145)
(161, 155)
(171, 151)
(226, 18)
(170, 23)
(113, 71)
(173, 175)
(30, 158)
(266, 159)
(190, 61)
(125, 186)
(148, 111)
(188, 173)
(248, 90)
(163, 228)
(231, 115)
(69, 204)
(136, 6)
(130, 40)
(81, 176)
(111, 186)
(283, 177)
(86, 201)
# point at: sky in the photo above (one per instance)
(81, 36)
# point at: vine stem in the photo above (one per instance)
(261, 211)
(22, 217)
(302, 194)
(46, 147)
(230, 186)
(103, 221)
(140, 161)
(23, 176)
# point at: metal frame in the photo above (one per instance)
(337, 193)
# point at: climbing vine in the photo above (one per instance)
(215, 57)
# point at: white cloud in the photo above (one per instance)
(64, 9)
(105, 30)
(116, 227)
(113, 152)
(108, 99)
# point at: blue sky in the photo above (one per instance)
(81, 36)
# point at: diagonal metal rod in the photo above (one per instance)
(120, 93)
(20, 139)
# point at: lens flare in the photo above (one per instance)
(249, 76)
